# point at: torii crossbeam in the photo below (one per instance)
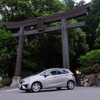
(39, 23)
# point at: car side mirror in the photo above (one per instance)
(46, 74)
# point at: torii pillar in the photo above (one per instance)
(65, 47)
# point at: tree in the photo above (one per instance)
(98, 29)
(92, 21)
(18, 10)
(77, 41)
(70, 4)
(97, 40)
(82, 2)
(7, 52)
(50, 46)
(77, 46)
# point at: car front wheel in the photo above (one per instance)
(28, 90)
(36, 87)
(70, 85)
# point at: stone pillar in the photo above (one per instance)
(15, 81)
(17, 74)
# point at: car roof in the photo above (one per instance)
(57, 69)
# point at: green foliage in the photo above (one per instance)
(30, 55)
(77, 42)
(18, 10)
(69, 3)
(82, 2)
(26, 73)
(90, 58)
(50, 50)
(15, 10)
(30, 64)
(97, 40)
(7, 51)
(6, 81)
(97, 43)
(91, 69)
(98, 29)
(92, 21)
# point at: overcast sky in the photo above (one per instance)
(87, 1)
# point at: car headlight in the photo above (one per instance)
(24, 80)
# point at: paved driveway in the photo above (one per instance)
(79, 93)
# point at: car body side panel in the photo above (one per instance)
(49, 81)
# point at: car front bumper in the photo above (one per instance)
(23, 87)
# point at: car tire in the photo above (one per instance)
(70, 85)
(58, 88)
(28, 90)
(36, 87)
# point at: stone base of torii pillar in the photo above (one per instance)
(15, 81)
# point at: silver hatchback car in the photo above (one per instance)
(50, 78)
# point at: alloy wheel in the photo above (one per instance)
(70, 85)
(36, 87)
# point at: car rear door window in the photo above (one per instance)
(59, 72)
(65, 71)
(53, 72)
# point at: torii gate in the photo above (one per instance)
(39, 23)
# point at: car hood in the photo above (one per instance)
(29, 78)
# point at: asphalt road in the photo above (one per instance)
(79, 93)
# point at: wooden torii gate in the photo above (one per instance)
(39, 23)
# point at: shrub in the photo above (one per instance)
(91, 69)
(6, 81)
(90, 58)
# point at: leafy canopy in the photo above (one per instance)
(91, 58)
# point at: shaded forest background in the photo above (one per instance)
(43, 51)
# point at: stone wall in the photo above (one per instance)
(89, 80)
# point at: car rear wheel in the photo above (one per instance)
(70, 85)
(36, 87)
